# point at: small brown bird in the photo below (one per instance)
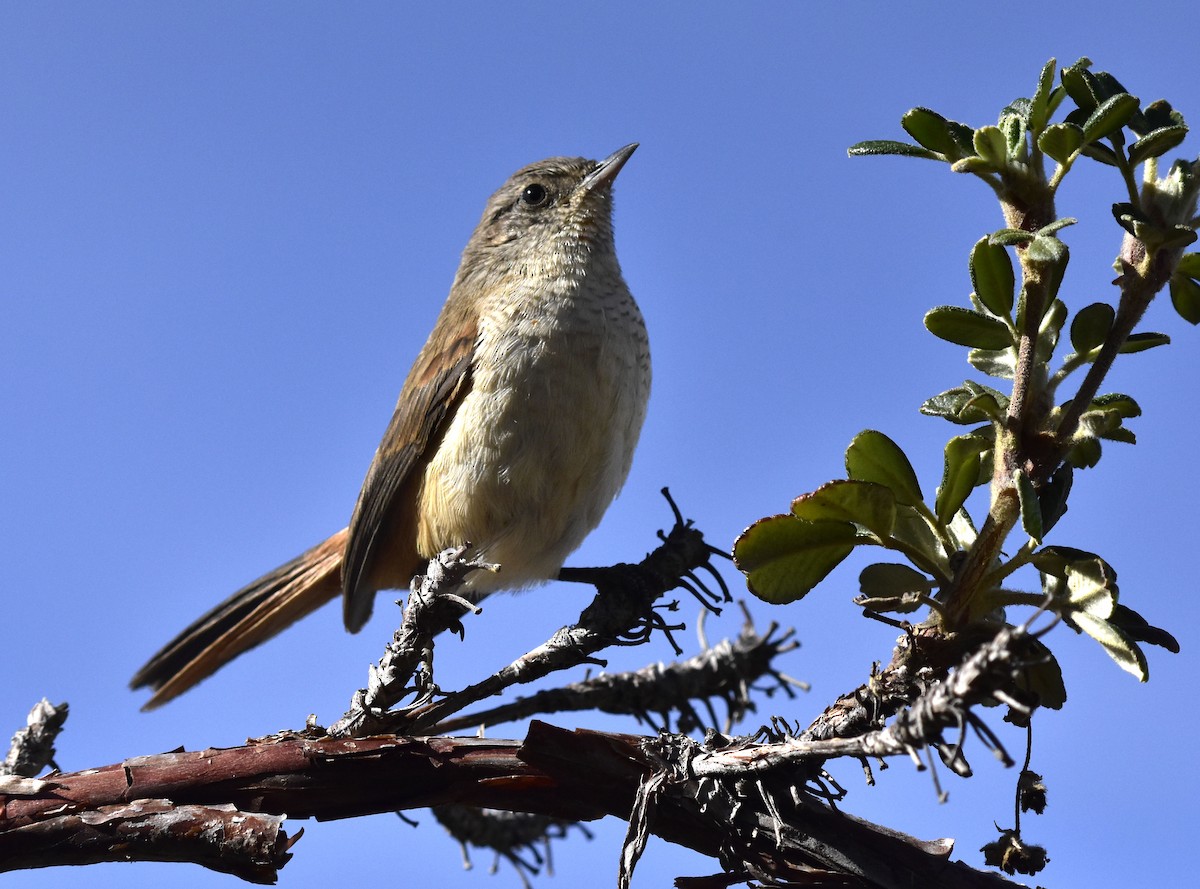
(514, 430)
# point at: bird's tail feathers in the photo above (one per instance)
(249, 617)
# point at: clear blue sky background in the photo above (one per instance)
(226, 229)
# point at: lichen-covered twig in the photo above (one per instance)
(32, 747)
(431, 608)
(726, 671)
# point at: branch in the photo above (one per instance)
(727, 671)
(622, 613)
(578, 775)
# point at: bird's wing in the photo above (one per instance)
(381, 552)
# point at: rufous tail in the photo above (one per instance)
(250, 616)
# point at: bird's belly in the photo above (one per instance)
(534, 455)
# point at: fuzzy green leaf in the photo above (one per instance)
(1053, 560)
(1140, 342)
(967, 404)
(936, 133)
(1046, 248)
(1060, 141)
(890, 146)
(865, 503)
(914, 531)
(991, 145)
(1127, 653)
(1000, 363)
(1042, 675)
(891, 579)
(1009, 237)
(1160, 114)
(784, 557)
(1091, 588)
(1139, 629)
(1050, 329)
(968, 328)
(1110, 115)
(904, 603)
(1012, 125)
(873, 457)
(1091, 326)
(1031, 509)
(1079, 83)
(960, 474)
(1053, 496)
(1084, 454)
(992, 277)
(1189, 264)
(1185, 297)
(1156, 143)
(1098, 151)
(1040, 107)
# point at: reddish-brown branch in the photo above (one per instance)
(154, 808)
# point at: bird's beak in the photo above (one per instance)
(603, 175)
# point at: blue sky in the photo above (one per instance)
(226, 231)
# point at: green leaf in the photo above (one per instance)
(1189, 264)
(1185, 297)
(967, 404)
(1000, 363)
(1099, 152)
(1084, 454)
(1156, 143)
(992, 277)
(1118, 433)
(1031, 508)
(1138, 629)
(1111, 115)
(1060, 141)
(1040, 106)
(1091, 326)
(1080, 84)
(1046, 248)
(1116, 404)
(891, 579)
(1104, 416)
(784, 557)
(1017, 109)
(974, 164)
(865, 503)
(1140, 342)
(904, 603)
(968, 328)
(873, 457)
(1128, 655)
(1057, 225)
(936, 133)
(1050, 329)
(991, 145)
(1053, 496)
(960, 474)
(1057, 271)
(1160, 114)
(1042, 675)
(914, 531)
(1012, 124)
(889, 146)
(1091, 588)
(1053, 560)
(962, 530)
(1008, 237)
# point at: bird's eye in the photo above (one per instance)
(535, 195)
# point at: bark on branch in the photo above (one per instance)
(200, 806)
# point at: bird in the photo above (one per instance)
(514, 430)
